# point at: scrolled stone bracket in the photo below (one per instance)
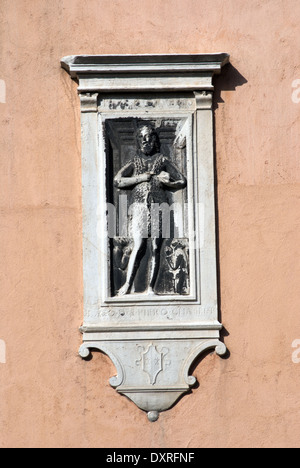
(153, 375)
(220, 350)
(85, 352)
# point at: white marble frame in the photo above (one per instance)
(119, 327)
(201, 186)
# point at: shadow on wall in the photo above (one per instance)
(229, 80)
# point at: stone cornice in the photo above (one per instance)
(144, 72)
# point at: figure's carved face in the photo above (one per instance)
(146, 140)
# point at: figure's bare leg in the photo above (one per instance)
(155, 262)
(137, 246)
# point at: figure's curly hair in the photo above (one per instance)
(153, 131)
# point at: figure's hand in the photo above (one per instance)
(164, 177)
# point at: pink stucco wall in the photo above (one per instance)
(49, 397)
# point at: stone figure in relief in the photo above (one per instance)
(149, 176)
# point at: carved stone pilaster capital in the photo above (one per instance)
(204, 100)
(89, 102)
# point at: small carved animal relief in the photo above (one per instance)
(177, 258)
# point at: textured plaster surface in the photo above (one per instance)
(49, 397)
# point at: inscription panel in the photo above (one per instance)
(146, 314)
(146, 103)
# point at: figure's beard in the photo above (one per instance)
(147, 149)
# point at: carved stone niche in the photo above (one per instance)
(149, 246)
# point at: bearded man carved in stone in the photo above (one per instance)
(149, 176)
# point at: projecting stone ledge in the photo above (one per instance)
(144, 72)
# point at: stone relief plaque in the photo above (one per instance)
(150, 282)
(149, 254)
